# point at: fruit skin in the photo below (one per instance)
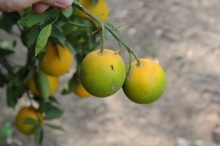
(146, 83)
(53, 83)
(100, 8)
(81, 91)
(27, 112)
(102, 75)
(57, 59)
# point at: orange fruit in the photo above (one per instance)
(53, 83)
(27, 112)
(80, 91)
(57, 59)
(145, 83)
(100, 10)
(102, 74)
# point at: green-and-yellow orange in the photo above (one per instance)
(146, 82)
(102, 74)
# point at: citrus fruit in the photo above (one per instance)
(27, 112)
(145, 83)
(57, 59)
(102, 74)
(53, 84)
(100, 10)
(80, 91)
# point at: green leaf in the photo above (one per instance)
(11, 97)
(30, 38)
(53, 100)
(70, 86)
(79, 24)
(42, 105)
(61, 17)
(6, 131)
(42, 39)
(33, 18)
(56, 127)
(70, 47)
(15, 89)
(6, 47)
(17, 92)
(1, 22)
(21, 12)
(38, 135)
(28, 10)
(3, 79)
(9, 19)
(31, 121)
(57, 34)
(25, 73)
(52, 112)
(68, 13)
(69, 29)
(42, 84)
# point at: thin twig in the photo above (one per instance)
(130, 50)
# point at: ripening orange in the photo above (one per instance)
(100, 10)
(27, 112)
(81, 91)
(53, 84)
(146, 82)
(102, 74)
(57, 60)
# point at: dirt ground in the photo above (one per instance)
(184, 36)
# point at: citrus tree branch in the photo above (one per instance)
(109, 28)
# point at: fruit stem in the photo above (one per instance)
(120, 47)
(108, 27)
(129, 67)
(103, 39)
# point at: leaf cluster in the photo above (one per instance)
(34, 31)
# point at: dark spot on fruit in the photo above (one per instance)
(112, 67)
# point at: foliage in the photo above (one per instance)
(67, 29)
(5, 134)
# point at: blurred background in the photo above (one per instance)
(184, 36)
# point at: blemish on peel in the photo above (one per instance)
(112, 67)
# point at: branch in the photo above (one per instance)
(110, 29)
